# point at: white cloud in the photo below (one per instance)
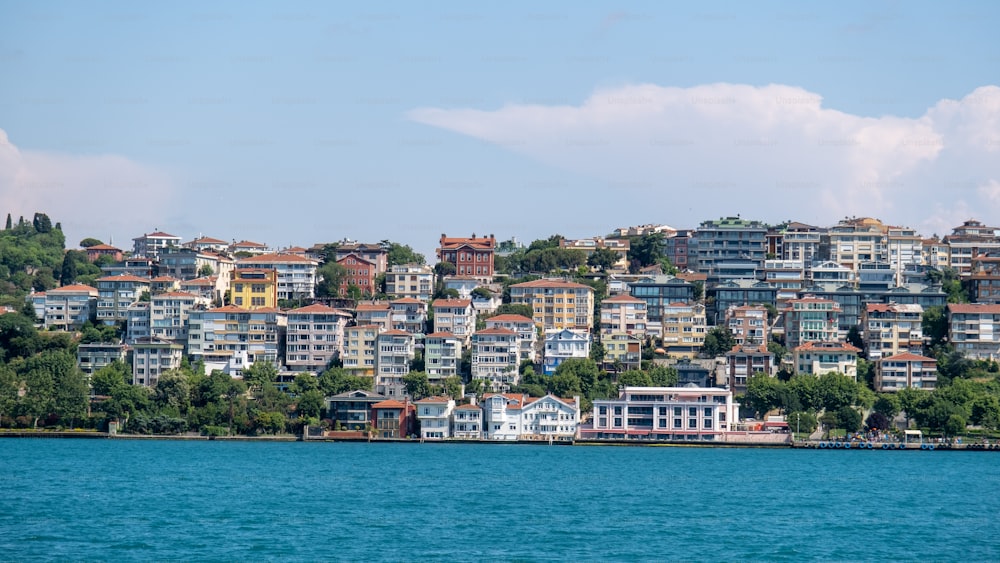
(91, 195)
(771, 152)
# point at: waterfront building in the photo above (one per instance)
(818, 358)
(557, 304)
(467, 422)
(513, 416)
(68, 307)
(664, 413)
(564, 345)
(394, 419)
(314, 337)
(904, 370)
(471, 256)
(352, 410)
(434, 415)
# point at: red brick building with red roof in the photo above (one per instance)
(471, 256)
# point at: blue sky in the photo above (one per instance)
(296, 123)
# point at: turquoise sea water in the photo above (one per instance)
(144, 500)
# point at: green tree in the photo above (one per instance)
(849, 419)
(602, 258)
(837, 391)
(304, 382)
(854, 338)
(269, 422)
(935, 326)
(88, 242)
(417, 385)
(565, 384)
(173, 391)
(310, 403)
(330, 275)
(986, 411)
(635, 378)
(910, 400)
(42, 223)
(955, 425)
(398, 254)
(887, 404)
(804, 422)
(663, 376)
(763, 394)
(516, 309)
(452, 386)
(645, 250)
(10, 224)
(718, 341)
(205, 271)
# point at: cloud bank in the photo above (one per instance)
(91, 195)
(771, 152)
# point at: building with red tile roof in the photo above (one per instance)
(905, 370)
(471, 256)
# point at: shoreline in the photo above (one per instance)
(802, 445)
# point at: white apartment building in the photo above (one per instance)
(232, 339)
(151, 357)
(442, 355)
(514, 416)
(974, 330)
(410, 280)
(525, 329)
(296, 274)
(434, 415)
(564, 345)
(891, 329)
(116, 294)
(68, 307)
(315, 336)
(495, 353)
(456, 316)
(395, 354)
(664, 413)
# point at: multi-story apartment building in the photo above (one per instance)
(210, 244)
(296, 274)
(151, 357)
(352, 410)
(800, 242)
(974, 330)
(853, 241)
(467, 422)
(232, 339)
(904, 248)
(622, 352)
(471, 256)
(188, 264)
(564, 345)
(787, 276)
(359, 272)
(514, 416)
(133, 266)
(456, 316)
(394, 419)
(659, 292)
(434, 414)
(374, 254)
(409, 315)
(169, 314)
(818, 358)
(891, 329)
(664, 413)
(415, 281)
(623, 314)
(137, 322)
(720, 297)
(164, 284)
(984, 277)
(900, 371)
(748, 324)
(314, 337)
(876, 276)
(495, 358)
(359, 349)
(830, 272)
(968, 240)
(377, 313)
(94, 356)
(116, 294)
(98, 250)
(811, 319)
(745, 361)
(683, 329)
(935, 252)
(557, 304)
(254, 288)
(730, 239)
(68, 307)
(248, 248)
(525, 329)
(678, 247)
(442, 355)
(150, 245)
(395, 354)
(589, 245)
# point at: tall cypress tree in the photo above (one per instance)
(10, 224)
